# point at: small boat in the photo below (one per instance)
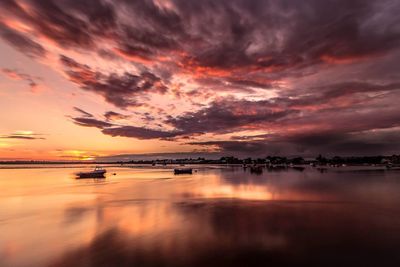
(183, 171)
(98, 172)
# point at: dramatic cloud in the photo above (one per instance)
(231, 114)
(310, 144)
(21, 42)
(138, 132)
(67, 23)
(91, 122)
(253, 75)
(119, 90)
(108, 128)
(221, 35)
(228, 115)
(111, 116)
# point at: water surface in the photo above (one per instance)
(219, 216)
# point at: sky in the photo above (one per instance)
(107, 79)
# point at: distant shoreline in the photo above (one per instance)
(269, 160)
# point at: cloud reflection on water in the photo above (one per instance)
(247, 233)
(215, 217)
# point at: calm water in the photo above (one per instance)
(219, 216)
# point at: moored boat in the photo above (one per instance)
(183, 171)
(98, 172)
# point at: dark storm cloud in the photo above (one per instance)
(217, 84)
(313, 124)
(338, 98)
(157, 30)
(111, 115)
(299, 33)
(358, 87)
(117, 89)
(21, 42)
(67, 23)
(311, 144)
(224, 34)
(250, 83)
(108, 128)
(80, 24)
(342, 143)
(234, 46)
(145, 44)
(228, 115)
(312, 130)
(214, 36)
(147, 117)
(91, 122)
(138, 132)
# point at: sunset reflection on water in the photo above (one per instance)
(145, 216)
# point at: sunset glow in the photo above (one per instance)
(87, 80)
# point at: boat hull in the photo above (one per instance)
(183, 171)
(95, 174)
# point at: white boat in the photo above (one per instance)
(98, 172)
